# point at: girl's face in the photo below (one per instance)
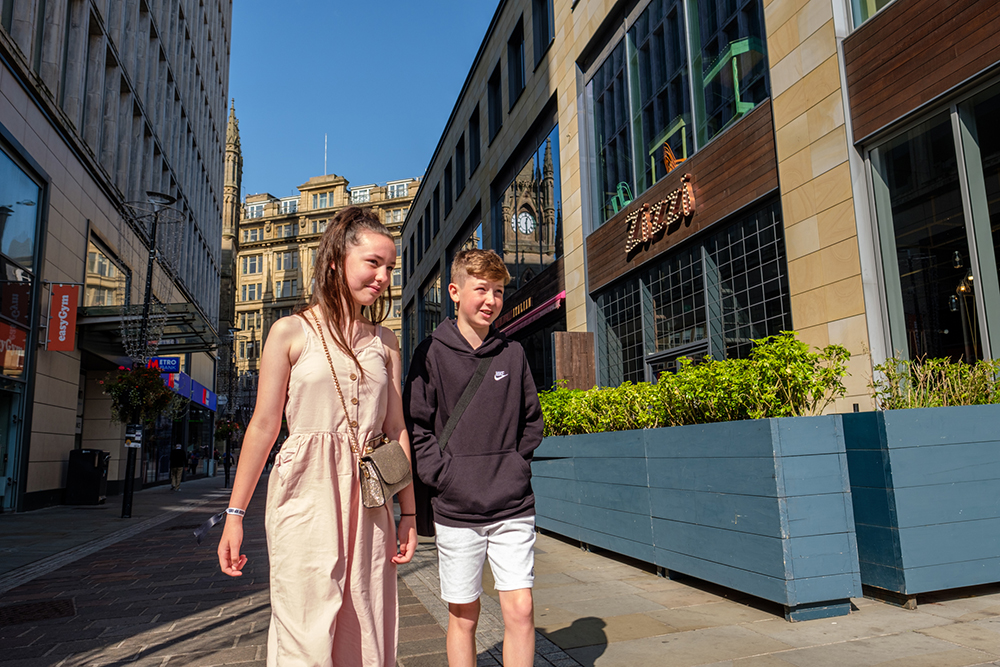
(368, 267)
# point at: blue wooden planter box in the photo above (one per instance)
(926, 490)
(762, 506)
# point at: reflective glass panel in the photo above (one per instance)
(19, 209)
(932, 305)
(531, 215)
(661, 98)
(729, 62)
(612, 138)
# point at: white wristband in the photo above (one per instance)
(235, 510)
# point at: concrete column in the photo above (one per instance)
(110, 111)
(94, 94)
(124, 140)
(22, 25)
(71, 96)
(53, 36)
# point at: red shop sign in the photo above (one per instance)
(62, 318)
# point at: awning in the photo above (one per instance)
(535, 313)
(185, 330)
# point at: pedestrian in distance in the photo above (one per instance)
(479, 466)
(193, 462)
(332, 560)
(178, 461)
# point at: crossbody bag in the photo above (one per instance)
(421, 491)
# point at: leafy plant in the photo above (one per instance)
(781, 378)
(930, 383)
(137, 394)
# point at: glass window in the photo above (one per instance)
(984, 148)
(104, 284)
(255, 210)
(460, 165)
(252, 264)
(530, 215)
(254, 234)
(730, 63)
(360, 196)
(515, 64)
(396, 190)
(660, 94)
(436, 203)
(289, 206)
(448, 176)
(430, 307)
(619, 334)
(542, 27)
(19, 211)
(323, 200)
(925, 247)
(475, 139)
(494, 98)
(609, 91)
(397, 278)
(287, 260)
(865, 9)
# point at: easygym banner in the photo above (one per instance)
(62, 318)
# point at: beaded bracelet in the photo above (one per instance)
(235, 510)
(403, 514)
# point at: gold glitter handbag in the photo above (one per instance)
(383, 466)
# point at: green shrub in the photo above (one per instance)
(780, 378)
(931, 383)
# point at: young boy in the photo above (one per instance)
(484, 506)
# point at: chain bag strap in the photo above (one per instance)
(383, 466)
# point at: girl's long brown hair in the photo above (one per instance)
(330, 290)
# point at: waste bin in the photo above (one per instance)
(87, 481)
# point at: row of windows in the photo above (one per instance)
(650, 106)
(284, 261)
(282, 289)
(284, 230)
(454, 178)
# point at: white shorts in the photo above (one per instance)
(462, 551)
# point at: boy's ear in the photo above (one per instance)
(453, 292)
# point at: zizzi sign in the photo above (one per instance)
(62, 318)
(649, 221)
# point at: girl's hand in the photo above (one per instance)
(407, 536)
(230, 560)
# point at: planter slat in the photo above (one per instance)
(746, 514)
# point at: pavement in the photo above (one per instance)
(81, 586)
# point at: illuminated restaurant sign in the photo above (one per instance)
(647, 222)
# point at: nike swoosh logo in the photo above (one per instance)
(499, 375)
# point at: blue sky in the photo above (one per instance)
(379, 77)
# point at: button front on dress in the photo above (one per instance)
(354, 376)
(354, 401)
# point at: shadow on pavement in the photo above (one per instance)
(587, 631)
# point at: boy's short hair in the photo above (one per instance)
(484, 264)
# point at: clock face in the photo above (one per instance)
(522, 222)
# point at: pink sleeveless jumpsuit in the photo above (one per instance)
(333, 587)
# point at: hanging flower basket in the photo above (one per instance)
(224, 428)
(137, 394)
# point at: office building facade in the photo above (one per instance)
(100, 103)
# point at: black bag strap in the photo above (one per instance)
(464, 400)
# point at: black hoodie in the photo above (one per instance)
(484, 473)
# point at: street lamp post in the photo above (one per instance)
(159, 202)
(229, 401)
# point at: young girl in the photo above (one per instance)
(333, 562)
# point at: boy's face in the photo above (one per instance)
(478, 301)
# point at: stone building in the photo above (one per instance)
(277, 244)
(100, 103)
(723, 171)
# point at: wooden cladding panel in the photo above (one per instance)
(913, 52)
(737, 168)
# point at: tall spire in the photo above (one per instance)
(233, 129)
